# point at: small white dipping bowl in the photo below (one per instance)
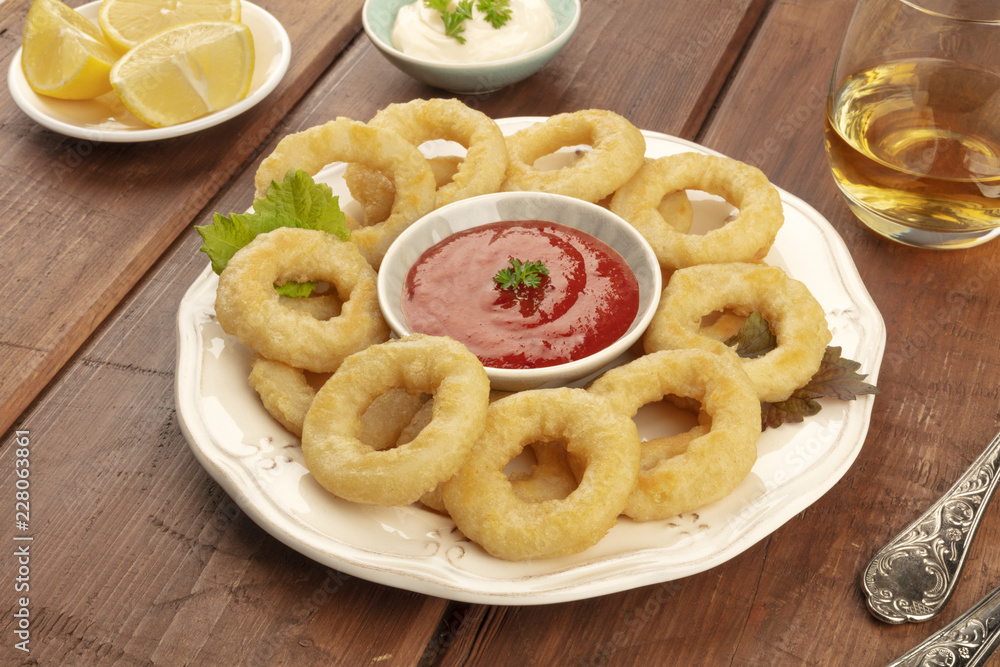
(475, 211)
(378, 17)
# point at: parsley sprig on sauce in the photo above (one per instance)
(526, 273)
(495, 12)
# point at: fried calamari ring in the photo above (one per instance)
(723, 325)
(796, 318)
(695, 468)
(432, 499)
(618, 151)
(320, 306)
(284, 390)
(346, 140)
(387, 417)
(349, 468)
(675, 209)
(656, 450)
(248, 307)
(485, 164)
(482, 501)
(550, 476)
(287, 394)
(748, 237)
(375, 192)
(445, 167)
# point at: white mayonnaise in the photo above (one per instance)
(419, 31)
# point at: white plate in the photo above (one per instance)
(106, 119)
(260, 465)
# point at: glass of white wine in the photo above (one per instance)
(913, 120)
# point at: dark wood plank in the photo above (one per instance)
(139, 557)
(142, 558)
(153, 552)
(81, 221)
(661, 67)
(697, 620)
(795, 598)
(686, 51)
(938, 378)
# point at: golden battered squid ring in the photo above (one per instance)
(674, 479)
(655, 450)
(346, 140)
(549, 478)
(796, 319)
(375, 194)
(284, 391)
(248, 306)
(372, 190)
(422, 417)
(287, 394)
(419, 121)
(482, 501)
(618, 151)
(347, 467)
(675, 209)
(321, 306)
(746, 238)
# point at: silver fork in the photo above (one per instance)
(968, 641)
(911, 578)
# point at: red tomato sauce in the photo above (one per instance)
(586, 302)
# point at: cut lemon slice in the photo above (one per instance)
(64, 55)
(127, 22)
(185, 72)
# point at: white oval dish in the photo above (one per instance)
(106, 119)
(260, 465)
(473, 212)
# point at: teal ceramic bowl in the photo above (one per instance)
(378, 16)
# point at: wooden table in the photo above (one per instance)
(139, 557)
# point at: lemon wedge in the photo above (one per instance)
(64, 55)
(125, 23)
(185, 72)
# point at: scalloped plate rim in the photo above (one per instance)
(579, 578)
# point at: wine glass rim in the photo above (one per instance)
(972, 12)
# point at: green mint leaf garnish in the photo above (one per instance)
(294, 289)
(297, 201)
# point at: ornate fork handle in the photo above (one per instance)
(967, 642)
(913, 576)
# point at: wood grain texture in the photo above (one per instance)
(938, 405)
(82, 221)
(142, 559)
(664, 67)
